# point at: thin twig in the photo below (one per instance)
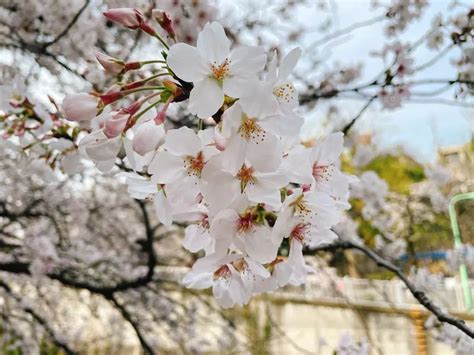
(419, 295)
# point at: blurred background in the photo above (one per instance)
(85, 268)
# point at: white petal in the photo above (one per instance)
(261, 193)
(223, 228)
(183, 141)
(236, 86)
(265, 155)
(259, 100)
(287, 125)
(233, 156)
(258, 245)
(328, 150)
(212, 43)
(162, 209)
(167, 168)
(272, 68)
(196, 238)
(206, 98)
(247, 59)
(197, 280)
(231, 120)
(288, 63)
(187, 63)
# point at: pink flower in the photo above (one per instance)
(80, 107)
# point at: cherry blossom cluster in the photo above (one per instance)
(253, 196)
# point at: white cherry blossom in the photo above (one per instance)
(214, 69)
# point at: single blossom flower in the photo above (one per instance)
(241, 230)
(316, 166)
(181, 162)
(214, 69)
(276, 91)
(217, 271)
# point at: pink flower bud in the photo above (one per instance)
(127, 17)
(148, 137)
(110, 64)
(115, 124)
(165, 22)
(80, 107)
(111, 97)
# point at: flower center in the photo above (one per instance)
(222, 272)
(245, 175)
(285, 92)
(299, 231)
(194, 165)
(300, 206)
(220, 71)
(249, 129)
(322, 172)
(245, 223)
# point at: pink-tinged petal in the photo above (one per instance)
(328, 150)
(127, 17)
(167, 168)
(247, 59)
(162, 209)
(213, 44)
(147, 137)
(187, 63)
(265, 154)
(99, 148)
(288, 63)
(183, 141)
(80, 107)
(206, 98)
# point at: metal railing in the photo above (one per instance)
(387, 293)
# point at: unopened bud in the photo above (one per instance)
(110, 64)
(127, 17)
(165, 22)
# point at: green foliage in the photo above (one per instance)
(400, 172)
(435, 234)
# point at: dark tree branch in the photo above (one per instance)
(419, 295)
(348, 126)
(127, 316)
(68, 27)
